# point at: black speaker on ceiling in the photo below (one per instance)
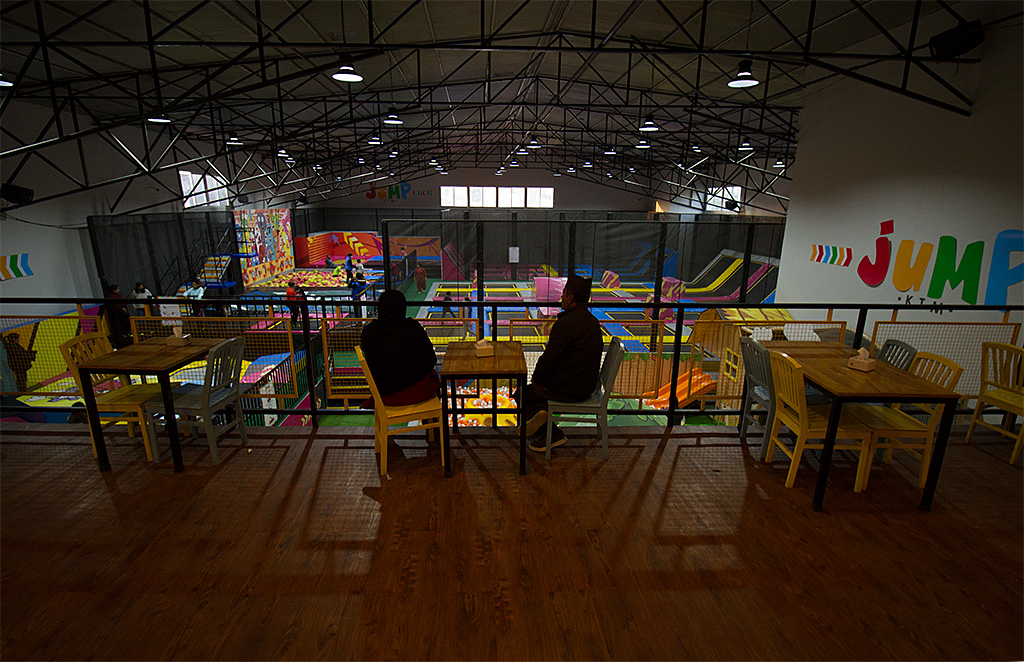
(243, 199)
(956, 41)
(18, 195)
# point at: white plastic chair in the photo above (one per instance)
(219, 391)
(596, 405)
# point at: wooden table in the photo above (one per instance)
(825, 367)
(150, 357)
(461, 362)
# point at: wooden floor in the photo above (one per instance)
(678, 547)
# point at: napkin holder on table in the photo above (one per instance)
(861, 361)
(178, 340)
(483, 348)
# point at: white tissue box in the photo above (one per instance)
(483, 348)
(864, 365)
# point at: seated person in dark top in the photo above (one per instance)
(399, 354)
(569, 368)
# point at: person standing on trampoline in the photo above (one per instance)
(292, 295)
(349, 271)
(569, 368)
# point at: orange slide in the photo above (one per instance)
(688, 388)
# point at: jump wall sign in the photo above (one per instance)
(399, 191)
(14, 266)
(949, 266)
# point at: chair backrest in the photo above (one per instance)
(897, 353)
(938, 370)
(756, 363)
(83, 348)
(610, 368)
(223, 366)
(1002, 366)
(369, 377)
(790, 397)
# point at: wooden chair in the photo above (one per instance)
(809, 422)
(596, 405)
(219, 392)
(894, 427)
(127, 401)
(428, 413)
(1002, 387)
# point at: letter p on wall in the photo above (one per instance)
(1001, 276)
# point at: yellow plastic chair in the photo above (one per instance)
(809, 422)
(894, 428)
(1002, 387)
(428, 413)
(128, 401)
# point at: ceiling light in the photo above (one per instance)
(377, 167)
(346, 74)
(779, 163)
(556, 173)
(282, 152)
(375, 140)
(513, 163)
(4, 82)
(160, 119)
(695, 147)
(360, 160)
(393, 154)
(588, 164)
(432, 162)
(233, 141)
(522, 151)
(392, 117)
(649, 124)
(607, 174)
(609, 151)
(499, 173)
(744, 76)
(745, 146)
(533, 144)
(443, 172)
(643, 144)
(570, 169)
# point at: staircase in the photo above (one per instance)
(212, 273)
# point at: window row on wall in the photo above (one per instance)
(203, 191)
(501, 197)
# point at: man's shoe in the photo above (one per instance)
(540, 443)
(535, 423)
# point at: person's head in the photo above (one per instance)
(139, 287)
(576, 292)
(195, 283)
(350, 254)
(291, 284)
(114, 289)
(391, 306)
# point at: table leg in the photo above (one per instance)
(520, 382)
(938, 452)
(171, 423)
(826, 454)
(444, 430)
(94, 420)
(494, 404)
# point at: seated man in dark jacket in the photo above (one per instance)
(399, 354)
(569, 368)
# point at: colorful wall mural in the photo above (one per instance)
(311, 251)
(268, 234)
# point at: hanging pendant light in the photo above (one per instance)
(4, 82)
(159, 119)
(779, 163)
(346, 74)
(744, 76)
(745, 145)
(375, 140)
(648, 124)
(643, 144)
(392, 117)
(233, 141)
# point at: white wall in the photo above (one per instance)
(53, 233)
(866, 156)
